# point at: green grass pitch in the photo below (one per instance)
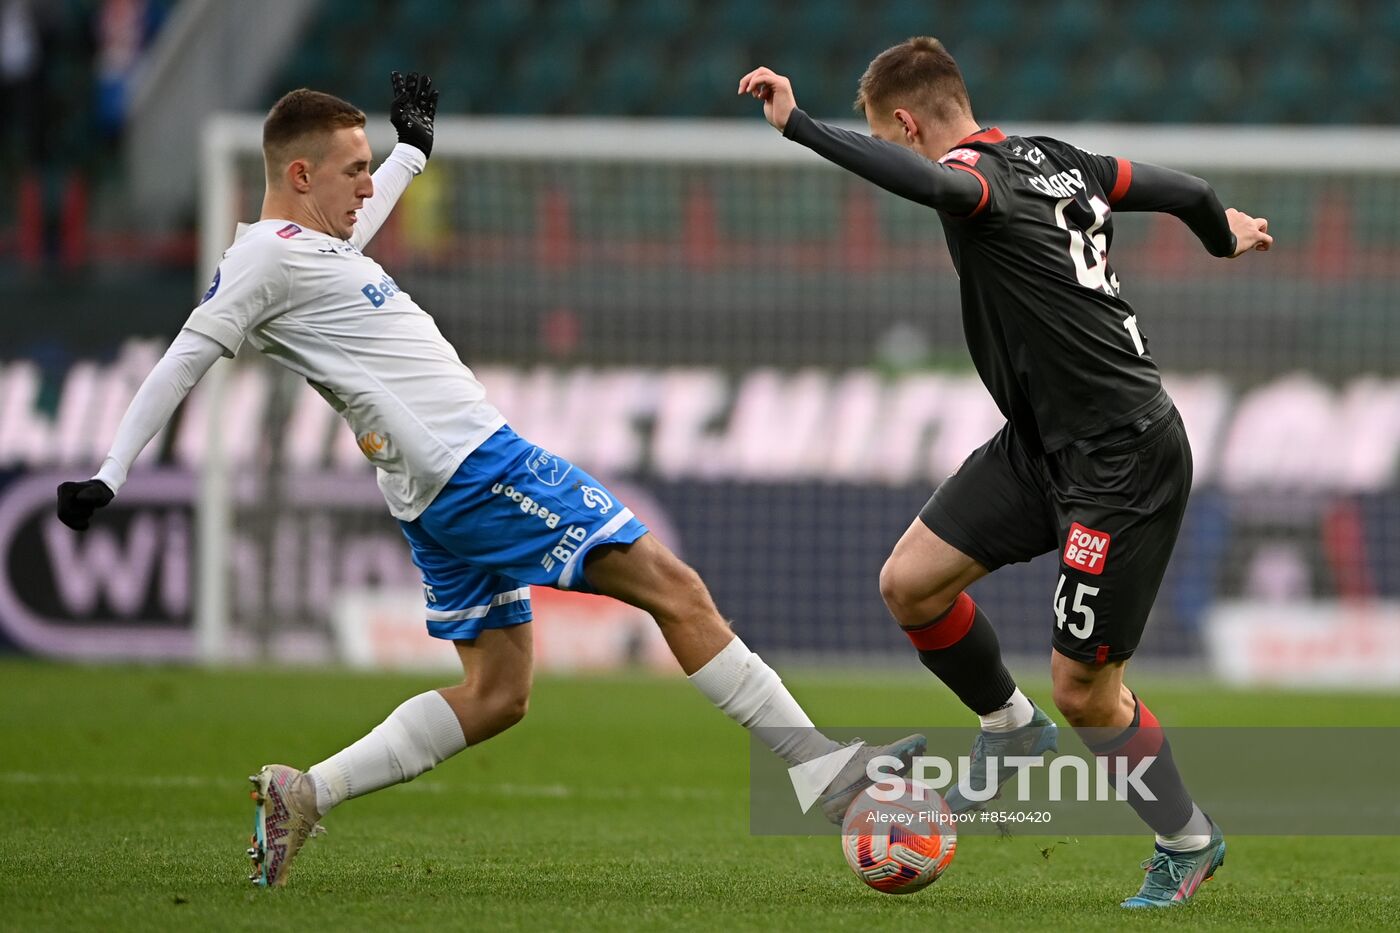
(620, 803)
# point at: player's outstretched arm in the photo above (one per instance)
(894, 168)
(189, 357)
(1224, 233)
(412, 113)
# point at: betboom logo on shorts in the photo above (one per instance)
(1086, 549)
(595, 498)
(528, 505)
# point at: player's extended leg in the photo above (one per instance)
(498, 667)
(924, 585)
(528, 515)
(1115, 724)
(646, 574)
(421, 733)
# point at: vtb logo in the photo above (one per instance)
(547, 468)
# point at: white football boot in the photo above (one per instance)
(853, 778)
(284, 819)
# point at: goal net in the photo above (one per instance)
(763, 355)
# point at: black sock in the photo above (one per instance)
(962, 650)
(1145, 737)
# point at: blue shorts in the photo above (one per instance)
(512, 515)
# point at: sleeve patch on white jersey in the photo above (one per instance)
(213, 286)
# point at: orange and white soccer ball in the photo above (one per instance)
(899, 846)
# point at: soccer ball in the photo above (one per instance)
(899, 846)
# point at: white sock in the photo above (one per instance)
(1014, 714)
(1194, 835)
(752, 694)
(422, 732)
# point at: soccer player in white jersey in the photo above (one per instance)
(485, 512)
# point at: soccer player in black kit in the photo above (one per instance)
(1093, 461)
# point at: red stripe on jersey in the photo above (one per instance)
(989, 135)
(1123, 182)
(948, 629)
(986, 191)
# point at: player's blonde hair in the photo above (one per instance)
(918, 74)
(298, 124)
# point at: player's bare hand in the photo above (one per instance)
(1250, 232)
(774, 90)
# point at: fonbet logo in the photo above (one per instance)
(1098, 782)
(1087, 549)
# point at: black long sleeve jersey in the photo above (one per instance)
(1029, 224)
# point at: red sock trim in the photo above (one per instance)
(946, 630)
(1146, 739)
(1146, 719)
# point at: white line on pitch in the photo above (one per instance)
(529, 791)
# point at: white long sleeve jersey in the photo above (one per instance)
(326, 311)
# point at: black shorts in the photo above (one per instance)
(1112, 505)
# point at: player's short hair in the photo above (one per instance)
(918, 74)
(297, 125)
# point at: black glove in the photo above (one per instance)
(415, 105)
(77, 502)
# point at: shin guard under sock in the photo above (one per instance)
(962, 650)
(1144, 738)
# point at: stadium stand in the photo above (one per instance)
(1192, 61)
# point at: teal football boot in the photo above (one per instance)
(1036, 738)
(1173, 877)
